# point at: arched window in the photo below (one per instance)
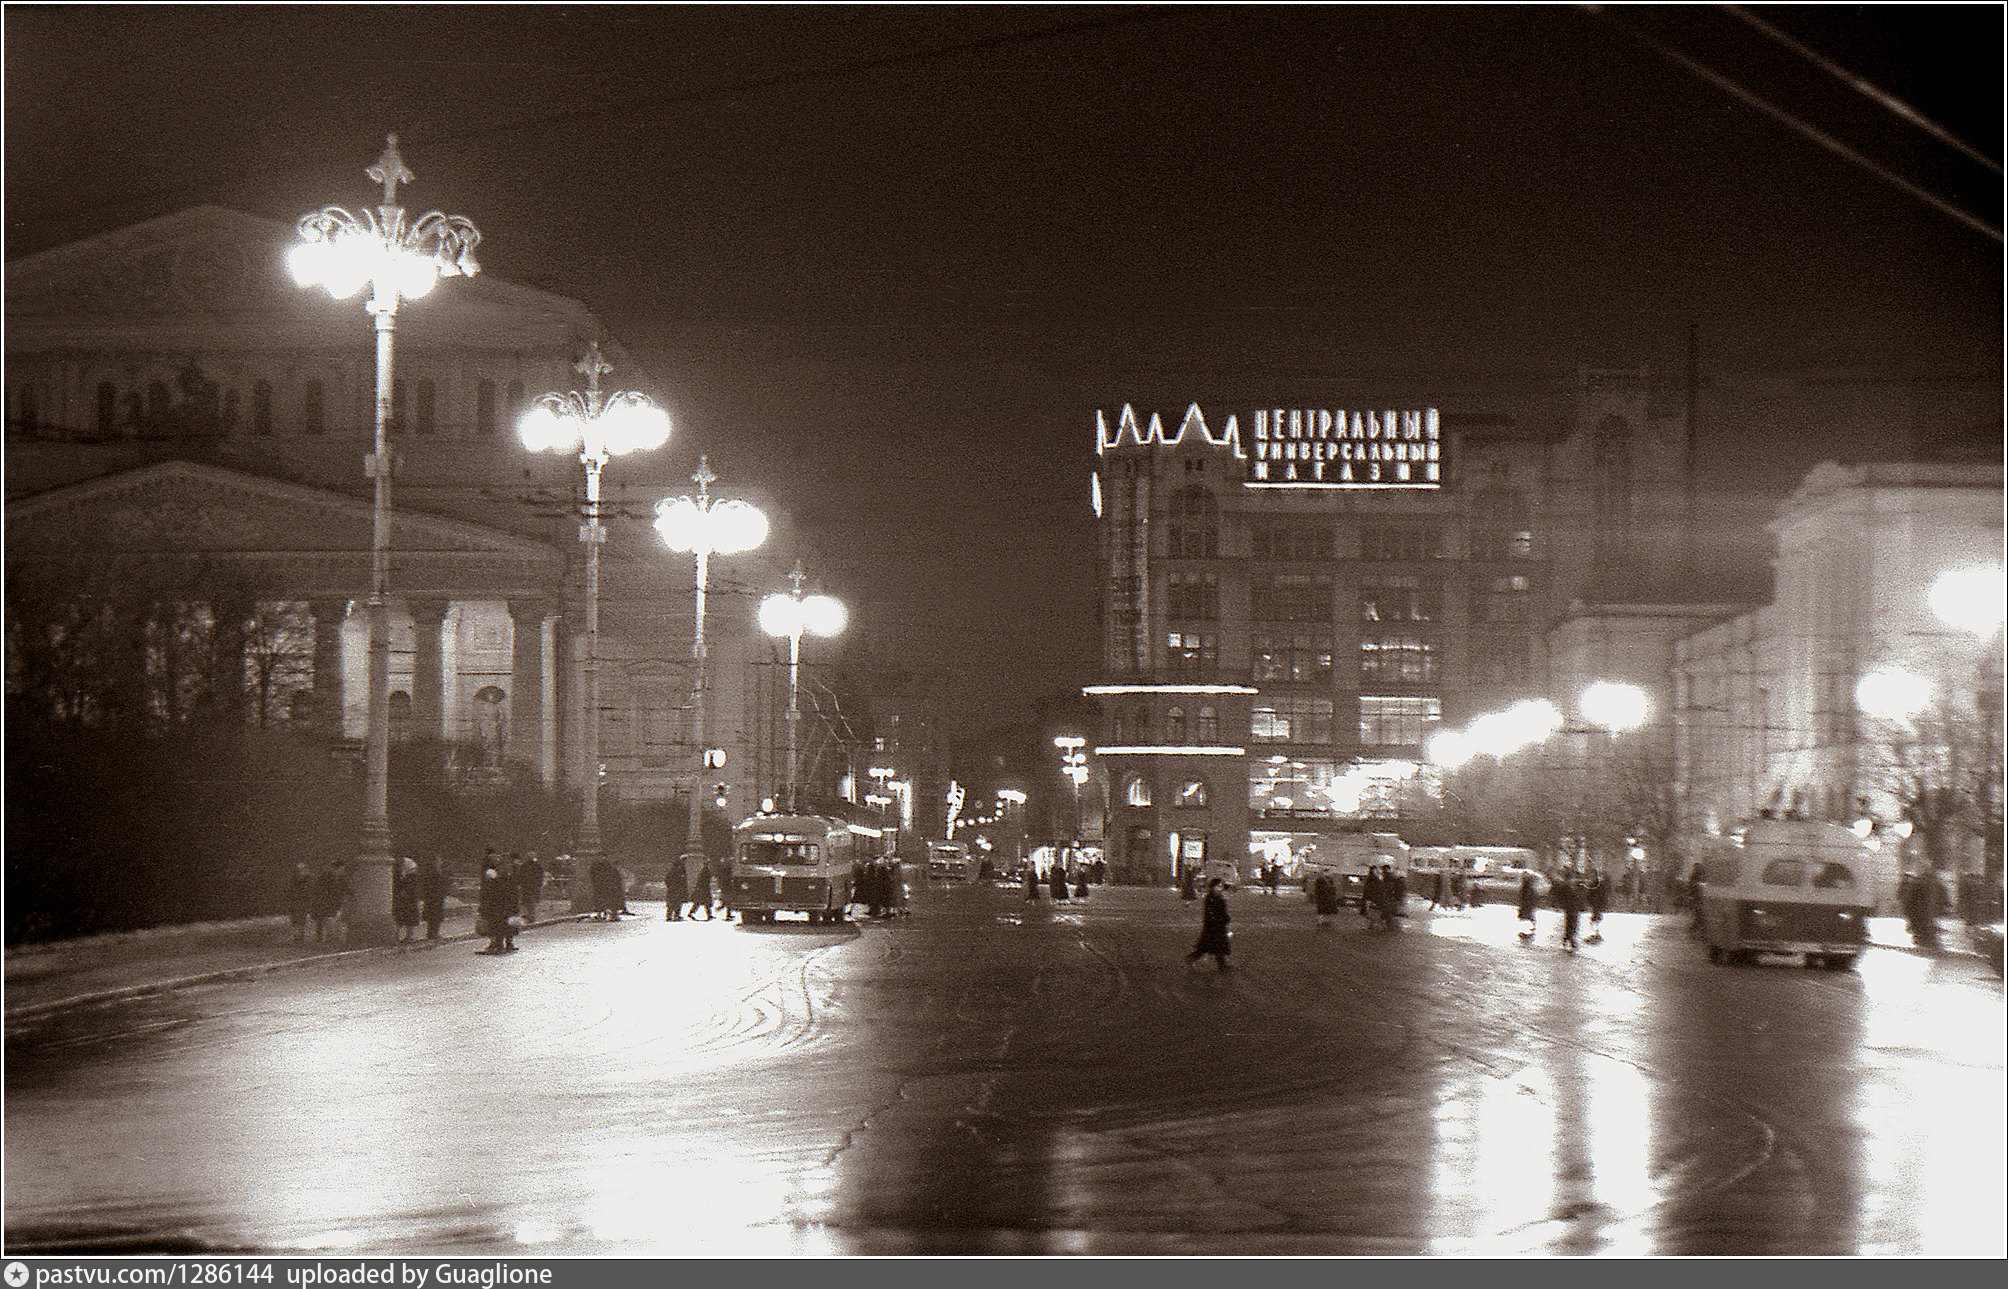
(1136, 791)
(314, 411)
(1209, 726)
(261, 409)
(1174, 726)
(1195, 524)
(108, 409)
(1192, 794)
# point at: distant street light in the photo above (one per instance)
(1971, 599)
(1612, 706)
(598, 429)
(1893, 693)
(704, 528)
(343, 253)
(789, 615)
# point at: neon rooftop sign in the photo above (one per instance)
(1298, 447)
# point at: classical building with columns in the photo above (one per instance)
(172, 398)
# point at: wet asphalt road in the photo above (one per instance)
(991, 1077)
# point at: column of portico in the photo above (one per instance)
(329, 698)
(526, 682)
(428, 716)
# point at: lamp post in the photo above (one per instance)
(789, 615)
(704, 528)
(598, 428)
(1075, 763)
(343, 253)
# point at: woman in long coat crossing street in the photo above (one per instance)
(497, 902)
(675, 886)
(1526, 910)
(1213, 920)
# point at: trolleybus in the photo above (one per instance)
(1795, 886)
(797, 864)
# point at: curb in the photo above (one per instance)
(28, 1011)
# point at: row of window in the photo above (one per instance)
(1384, 721)
(198, 407)
(1285, 542)
(1309, 597)
(1306, 657)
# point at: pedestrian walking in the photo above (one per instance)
(530, 881)
(1213, 934)
(1569, 899)
(1185, 887)
(431, 895)
(1598, 895)
(300, 899)
(675, 887)
(1032, 883)
(1390, 902)
(326, 904)
(1372, 898)
(1439, 894)
(1528, 895)
(1274, 875)
(495, 904)
(1057, 878)
(1326, 893)
(1081, 882)
(700, 893)
(404, 899)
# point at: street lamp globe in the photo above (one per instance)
(1892, 693)
(1971, 599)
(1613, 706)
(786, 617)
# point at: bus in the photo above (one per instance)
(1794, 886)
(947, 861)
(796, 864)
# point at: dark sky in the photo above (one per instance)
(888, 260)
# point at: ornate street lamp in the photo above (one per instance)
(599, 428)
(704, 528)
(789, 615)
(344, 252)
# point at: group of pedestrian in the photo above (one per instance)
(418, 895)
(1383, 897)
(1573, 892)
(1057, 882)
(685, 896)
(875, 883)
(317, 897)
(1449, 890)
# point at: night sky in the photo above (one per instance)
(887, 261)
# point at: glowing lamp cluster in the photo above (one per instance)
(1496, 733)
(1613, 706)
(786, 617)
(565, 422)
(1893, 693)
(720, 528)
(1971, 599)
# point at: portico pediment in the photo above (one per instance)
(180, 508)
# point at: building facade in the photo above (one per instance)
(174, 399)
(1765, 702)
(1294, 599)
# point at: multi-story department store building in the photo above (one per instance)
(1294, 598)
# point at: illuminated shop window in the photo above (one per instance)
(1303, 656)
(1290, 597)
(1193, 596)
(1398, 660)
(1279, 787)
(1136, 791)
(1386, 598)
(1192, 794)
(1389, 721)
(1291, 720)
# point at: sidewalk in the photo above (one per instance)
(50, 977)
